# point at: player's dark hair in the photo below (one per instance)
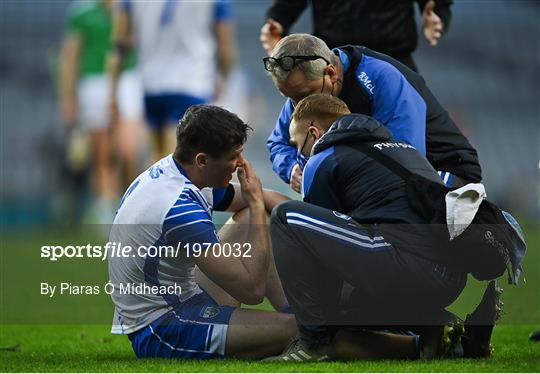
(209, 129)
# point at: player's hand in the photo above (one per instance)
(433, 26)
(69, 112)
(296, 178)
(251, 186)
(271, 34)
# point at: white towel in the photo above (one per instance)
(461, 207)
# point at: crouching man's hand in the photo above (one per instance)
(296, 179)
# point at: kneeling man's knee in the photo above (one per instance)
(279, 213)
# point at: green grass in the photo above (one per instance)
(92, 348)
(71, 332)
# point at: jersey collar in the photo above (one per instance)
(182, 171)
(344, 59)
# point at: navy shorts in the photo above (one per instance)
(196, 329)
(165, 109)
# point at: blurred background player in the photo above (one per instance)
(177, 43)
(387, 26)
(84, 90)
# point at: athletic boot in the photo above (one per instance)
(442, 341)
(296, 351)
(479, 324)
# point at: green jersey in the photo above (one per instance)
(92, 22)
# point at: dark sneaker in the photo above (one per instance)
(297, 352)
(479, 324)
(535, 336)
(442, 341)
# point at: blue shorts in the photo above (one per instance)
(196, 329)
(165, 109)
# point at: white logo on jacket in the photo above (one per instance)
(380, 146)
(366, 81)
(341, 215)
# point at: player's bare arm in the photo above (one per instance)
(244, 278)
(226, 48)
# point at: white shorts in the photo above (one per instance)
(93, 99)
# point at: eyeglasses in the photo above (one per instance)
(287, 63)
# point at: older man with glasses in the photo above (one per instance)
(369, 83)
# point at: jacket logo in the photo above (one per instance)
(366, 81)
(492, 241)
(341, 215)
(380, 146)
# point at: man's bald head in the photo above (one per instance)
(302, 45)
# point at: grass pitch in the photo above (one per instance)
(92, 348)
(42, 334)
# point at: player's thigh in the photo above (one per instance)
(169, 138)
(131, 139)
(131, 131)
(194, 329)
(235, 229)
(353, 251)
(258, 334)
(216, 292)
(100, 140)
(358, 254)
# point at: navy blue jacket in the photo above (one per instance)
(379, 86)
(339, 177)
(342, 178)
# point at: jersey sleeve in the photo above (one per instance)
(188, 222)
(286, 12)
(222, 198)
(223, 11)
(395, 102)
(282, 153)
